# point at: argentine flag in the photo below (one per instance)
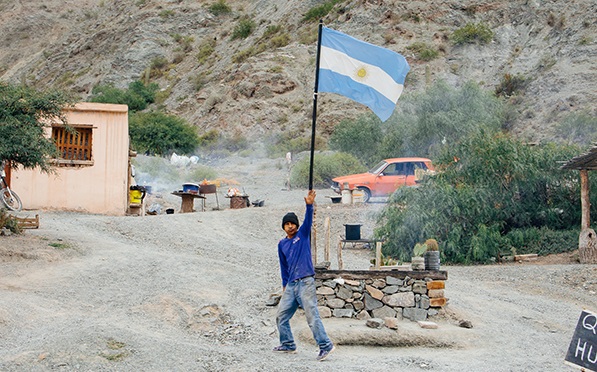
(363, 72)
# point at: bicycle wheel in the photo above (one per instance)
(11, 200)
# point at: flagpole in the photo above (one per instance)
(315, 105)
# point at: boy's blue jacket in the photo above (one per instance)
(295, 253)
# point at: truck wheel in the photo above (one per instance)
(366, 194)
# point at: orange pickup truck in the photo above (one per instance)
(385, 177)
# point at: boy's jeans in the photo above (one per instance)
(301, 292)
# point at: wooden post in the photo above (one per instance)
(326, 248)
(377, 255)
(584, 200)
(340, 262)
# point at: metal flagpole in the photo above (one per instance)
(315, 106)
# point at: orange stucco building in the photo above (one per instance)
(92, 175)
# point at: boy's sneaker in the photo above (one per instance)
(285, 349)
(325, 353)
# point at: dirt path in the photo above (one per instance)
(188, 291)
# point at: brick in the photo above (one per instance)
(436, 284)
(437, 302)
(435, 293)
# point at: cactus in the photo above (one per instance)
(419, 249)
(432, 245)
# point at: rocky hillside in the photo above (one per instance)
(262, 84)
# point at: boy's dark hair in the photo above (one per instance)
(290, 217)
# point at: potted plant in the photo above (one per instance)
(418, 261)
(431, 255)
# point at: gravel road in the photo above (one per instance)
(187, 292)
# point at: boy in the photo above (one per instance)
(298, 282)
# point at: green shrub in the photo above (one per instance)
(490, 188)
(216, 144)
(438, 117)
(158, 66)
(161, 134)
(201, 172)
(472, 33)
(243, 29)
(577, 128)
(542, 241)
(510, 85)
(219, 8)
(280, 41)
(138, 95)
(280, 145)
(206, 49)
(199, 81)
(428, 121)
(166, 13)
(360, 138)
(272, 30)
(423, 51)
(159, 63)
(318, 12)
(185, 42)
(242, 55)
(325, 167)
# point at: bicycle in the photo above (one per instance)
(9, 197)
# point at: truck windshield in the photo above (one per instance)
(376, 169)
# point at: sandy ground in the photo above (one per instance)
(187, 292)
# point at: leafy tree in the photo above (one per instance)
(161, 134)
(288, 141)
(138, 95)
(440, 116)
(359, 138)
(492, 191)
(24, 113)
(577, 128)
(325, 167)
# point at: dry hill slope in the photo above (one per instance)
(79, 44)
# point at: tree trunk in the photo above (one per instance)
(587, 246)
(585, 201)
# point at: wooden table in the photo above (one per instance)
(188, 200)
(355, 242)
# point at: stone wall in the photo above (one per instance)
(414, 295)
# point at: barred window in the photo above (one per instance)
(74, 144)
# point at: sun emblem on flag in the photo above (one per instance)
(361, 73)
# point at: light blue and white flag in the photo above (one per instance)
(363, 72)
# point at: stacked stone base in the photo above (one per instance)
(414, 295)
